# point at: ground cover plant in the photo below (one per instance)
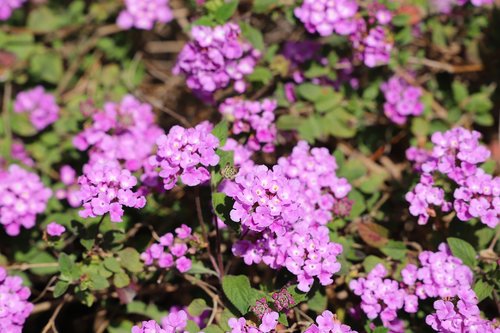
(249, 166)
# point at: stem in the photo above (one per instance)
(6, 121)
(24, 267)
(205, 232)
(52, 321)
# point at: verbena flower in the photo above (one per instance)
(7, 7)
(254, 119)
(215, 57)
(186, 153)
(401, 100)
(171, 251)
(455, 159)
(22, 197)
(143, 14)
(55, 229)
(41, 107)
(105, 187)
(14, 305)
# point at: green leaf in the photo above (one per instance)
(479, 103)
(318, 302)
(121, 280)
(225, 11)
(463, 250)
(401, 20)
(289, 122)
(380, 329)
(310, 91)
(395, 249)
(371, 261)
(221, 132)
(147, 310)
(97, 281)
(260, 74)
(238, 290)
(198, 268)
(192, 327)
(197, 307)
(420, 127)
(484, 119)
(47, 66)
(483, 290)
(42, 19)
(69, 270)
(60, 288)
(253, 35)
(460, 91)
(130, 259)
(263, 6)
(112, 264)
(213, 329)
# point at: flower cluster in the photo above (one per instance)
(372, 45)
(41, 106)
(288, 230)
(18, 152)
(264, 200)
(14, 305)
(253, 118)
(176, 321)
(456, 155)
(22, 197)
(446, 6)
(71, 189)
(216, 56)
(440, 275)
(7, 7)
(55, 230)
(143, 14)
(401, 100)
(124, 131)
(268, 323)
(148, 327)
(462, 316)
(383, 297)
(319, 192)
(327, 322)
(171, 250)
(328, 16)
(105, 187)
(372, 42)
(186, 153)
(178, 317)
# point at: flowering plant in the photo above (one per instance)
(249, 166)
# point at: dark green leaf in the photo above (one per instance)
(463, 250)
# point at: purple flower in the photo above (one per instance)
(41, 106)
(106, 187)
(215, 57)
(148, 327)
(22, 197)
(14, 305)
(256, 119)
(186, 153)
(402, 100)
(142, 14)
(54, 229)
(269, 322)
(7, 7)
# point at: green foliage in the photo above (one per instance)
(239, 292)
(463, 250)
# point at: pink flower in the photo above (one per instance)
(54, 229)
